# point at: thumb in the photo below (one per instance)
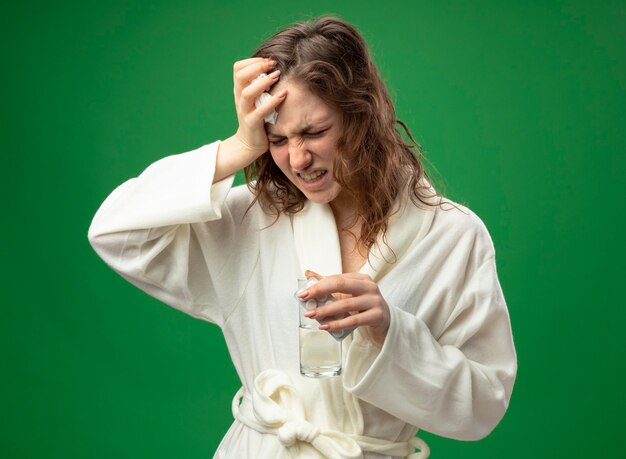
(308, 273)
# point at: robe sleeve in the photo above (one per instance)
(179, 237)
(457, 384)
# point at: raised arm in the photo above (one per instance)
(170, 230)
(250, 141)
(176, 231)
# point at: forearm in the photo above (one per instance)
(454, 381)
(171, 229)
(233, 155)
(174, 190)
(435, 387)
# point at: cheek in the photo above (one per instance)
(280, 157)
(326, 148)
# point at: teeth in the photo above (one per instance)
(313, 176)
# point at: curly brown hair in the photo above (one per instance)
(374, 164)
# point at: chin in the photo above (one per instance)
(318, 199)
(321, 197)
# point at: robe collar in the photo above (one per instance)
(317, 239)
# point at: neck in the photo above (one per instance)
(349, 225)
(343, 210)
(346, 218)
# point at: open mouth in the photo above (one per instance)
(313, 177)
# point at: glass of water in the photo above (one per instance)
(320, 352)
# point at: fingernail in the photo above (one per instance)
(274, 74)
(271, 62)
(310, 313)
(324, 327)
(302, 293)
(308, 273)
(282, 93)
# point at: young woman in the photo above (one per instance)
(333, 189)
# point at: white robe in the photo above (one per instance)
(447, 364)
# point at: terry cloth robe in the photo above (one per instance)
(448, 362)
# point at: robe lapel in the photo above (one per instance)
(317, 240)
(406, 227)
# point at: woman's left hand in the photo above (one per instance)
(358, 298)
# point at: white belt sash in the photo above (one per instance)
(275, 407)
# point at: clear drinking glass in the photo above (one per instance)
(320, 352)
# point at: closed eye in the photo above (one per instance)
(278, 142)
(316, 134)
(281, 141)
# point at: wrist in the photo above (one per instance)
(249, 149)
(377, 336)
(233, 154)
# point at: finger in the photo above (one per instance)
(359, 276)
(254, 90)
(340, 308)
(339, 284)
(257, 115)
(272, 103)
(245, 75)
(308, 273)
(249, 73)
(246, 62)
(366, 318)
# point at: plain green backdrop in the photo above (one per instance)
(519, 105)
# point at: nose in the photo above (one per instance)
(299, 157)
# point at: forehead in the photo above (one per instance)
(301, 110)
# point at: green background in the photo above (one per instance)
(520, 106)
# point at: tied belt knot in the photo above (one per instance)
(275, 407)
(297, 430)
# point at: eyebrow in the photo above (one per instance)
(305, 130)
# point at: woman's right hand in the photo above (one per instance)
(250, 141)
(251, 131)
